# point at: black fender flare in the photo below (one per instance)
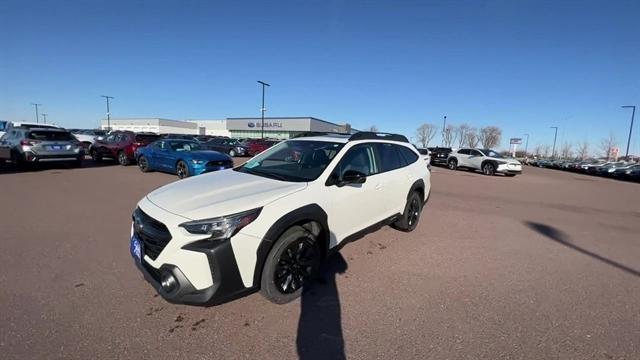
(495, 164)
(418, 185)
(311, 212)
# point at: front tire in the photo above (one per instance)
(122, 158)
(95, 155)
(452, 164)
(488, 169)
(232, 153)
(291, 265)
(182, 170)
(411, 215)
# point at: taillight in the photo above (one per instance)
(29, 142)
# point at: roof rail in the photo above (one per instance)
(317, 133)
(367, 135)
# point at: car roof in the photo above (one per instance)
(47, 129)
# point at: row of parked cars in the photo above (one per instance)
(184, 155)
(624, 170)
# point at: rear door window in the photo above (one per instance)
(389, 157)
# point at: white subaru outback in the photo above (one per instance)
(266, 225)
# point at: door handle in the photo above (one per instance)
(379, 186)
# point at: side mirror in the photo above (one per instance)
(352, 177)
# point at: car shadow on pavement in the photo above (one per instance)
(320, 324)
(560, 237)
(9, 168)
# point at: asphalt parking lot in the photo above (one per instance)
(541, 266)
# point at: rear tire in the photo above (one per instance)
(452, 164)
(411, 215)
(232, 153)
(182, 170)
(488, 169)
(123, 159)
(143, 164)
(291, 265)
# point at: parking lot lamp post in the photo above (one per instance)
(44, 118)
(633, 113)
(553, 152)
(262, 109)
(108, 112)
(526, 145)
(444, 124)
(37, 116)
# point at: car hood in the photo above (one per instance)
(207, 155)
(220, 193)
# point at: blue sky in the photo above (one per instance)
(519, 65)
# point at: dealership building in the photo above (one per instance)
(274, 127)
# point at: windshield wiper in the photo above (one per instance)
(264, 174)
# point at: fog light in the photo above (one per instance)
(168, 282)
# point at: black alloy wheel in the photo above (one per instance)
(95, 156)
(295, 265)
(182, 170)
(414, 212)
(488, 169)
(452, 164)
(143, 164)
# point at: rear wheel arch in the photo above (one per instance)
(311, 217)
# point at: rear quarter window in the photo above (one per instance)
(409, 156)
(390, 158)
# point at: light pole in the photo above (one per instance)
(444, 124)
(526, 145)
(633, 113)
(37, 116)
(553, 152)
(108, 112)
(44, 117)
(262, 109)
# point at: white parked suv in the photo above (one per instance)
(485, 160)
(267, 224)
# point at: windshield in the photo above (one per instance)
(184, 146)
(51, 135)
(293, 160)
(491, 153)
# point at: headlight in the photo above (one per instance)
(197, 162)
(222, 227)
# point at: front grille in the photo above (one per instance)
(154, 234)
(219, 163)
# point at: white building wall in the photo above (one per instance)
(212, 127)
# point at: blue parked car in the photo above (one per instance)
(181, 157)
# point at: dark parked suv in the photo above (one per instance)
(232, 147)
(121, 146)
(34, 145)
(439, 155)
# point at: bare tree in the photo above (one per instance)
(565, 150)
(537, 150)
(461, 134)
(449, 135)
(472, 138)
(373, 128)
(425, 133)
(583, 150)
(490, 136)
(607, 144)
(546, 149)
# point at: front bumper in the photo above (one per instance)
(198, 169)
(227, 283)
(506, 169)
(205, 272)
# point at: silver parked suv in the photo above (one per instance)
(486, 160)
(33, 145)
